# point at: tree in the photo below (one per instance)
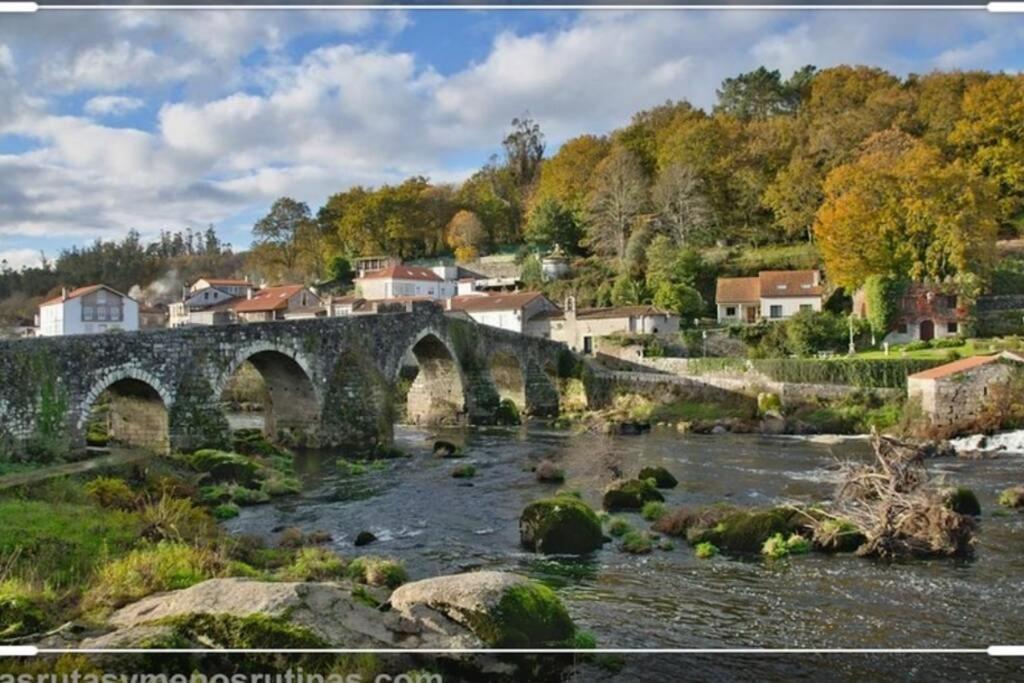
(628, 292)
(809, 332)
(761, 93)
(616, 204)
(568, 176)
(667, 263)
(524, 149)
(466, 235)
(681, 299)
(794, 197)
(280, 238)
(881, 293)
(900, 210)
(552, 223)
(683, 211)
(532, 274)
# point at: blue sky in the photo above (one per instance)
(112, 120)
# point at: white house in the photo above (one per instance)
(88, 310)
(400, 281)
(772, 295)
(581, 329)
(505, 311)
(283, 302)
(208, 301)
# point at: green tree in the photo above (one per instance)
(553, 223)
(681, 299)
(628, 292)
(762, 93)
(532, 274)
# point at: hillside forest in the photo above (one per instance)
(871, 176)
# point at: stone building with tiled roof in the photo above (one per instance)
(957, 393)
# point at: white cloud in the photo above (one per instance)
(19, 258)
(112, 105)
(238, 126)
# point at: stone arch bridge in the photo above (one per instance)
(329, 381)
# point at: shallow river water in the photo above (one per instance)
(670, 599)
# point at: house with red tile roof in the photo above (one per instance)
(88, 310)
(508, 311)
(958, 393)
(209, 301)
(922, 312)
(772, 295)
(281, 302)
(398, 280)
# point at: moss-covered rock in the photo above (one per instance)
(22, 609)
(377, 571)
(637, 542)
(663, 479)
(507, 413)
(963, 501)
(222, 466)
(837, 535)
(446, 449)
(466, 471)
(502, 610)
(1012, 497)
(745, 531)
(560, 525)
(630, 494)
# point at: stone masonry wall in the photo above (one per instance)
(331, 380)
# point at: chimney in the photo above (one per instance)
(248, 292)
(63, 293)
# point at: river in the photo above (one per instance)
(670, 599)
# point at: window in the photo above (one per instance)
(101, 312)
(952, 328)
(775, 311)
(101, 297)
(901, 328)
(588, 345)
(806, 307)
(88, 313)
(115, 312)
(730, 311)
(206, 295)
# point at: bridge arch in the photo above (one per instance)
(508, 373)
(439, 393)
(292, 401)
(136, 412)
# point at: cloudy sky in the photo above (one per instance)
(112, 120)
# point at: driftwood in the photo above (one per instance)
(901, 511)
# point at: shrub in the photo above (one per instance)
(705, 550)
(617, 526)
(24, 610)
(653, 511)
(507, 413)
(637, 542)
(151, 569)
(292, 537)
(110, 492)
(176, 519)
(226, 511)
(377, 571)
(584, 640)
(222, 466)
(314, 564)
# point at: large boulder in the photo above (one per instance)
(216, 612)
(745, 531)
(630, 494)
(560, 525)
(501, 609)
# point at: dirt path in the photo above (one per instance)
(118, 456)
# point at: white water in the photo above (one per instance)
(1009, 442)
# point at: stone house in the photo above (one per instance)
(772, 295)
(923, 312)
(283, 302)
(505, 311)
(88, 310)
(580, 329)
(957, 393)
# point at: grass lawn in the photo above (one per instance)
(692, 411)
(971, 347)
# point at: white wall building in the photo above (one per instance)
(401, 281)
(505, 311)
(772, 295)
(88, 310)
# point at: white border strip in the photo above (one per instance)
(32, 7)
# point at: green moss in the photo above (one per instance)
(255, 631)
(314, 564)
(560, 525)
(464, 472)
(963, 501)
(653, 511)
(222, 466)
(705, 550)
(778, 546)
(110, 492)
(617, 526)
(838, 535)
(745, 531)
(630, 495)
(528, 615)
(362, 595)
(637, 542)
(663, 479)
(584, 640)
(226, 511)
(507, 413)
(377, 571)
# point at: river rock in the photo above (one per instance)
(560, 525)
(445, 449)
(364, 538)
(327, 612)
(663, 479)
(501, 609)
(630, 494)
(719, 429)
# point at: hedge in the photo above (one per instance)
(887, 373)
